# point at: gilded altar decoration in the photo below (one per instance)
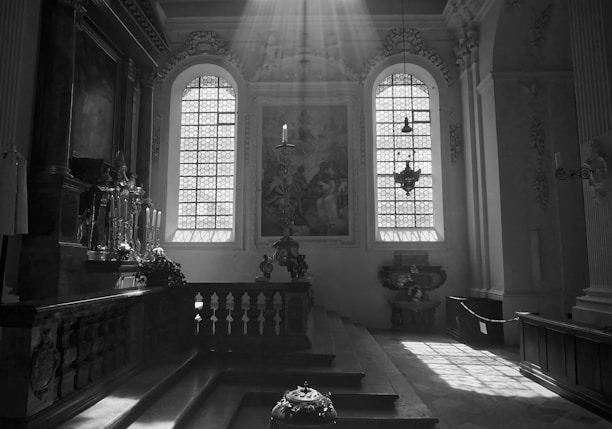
(303, 407)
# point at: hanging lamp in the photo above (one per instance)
(406, 128)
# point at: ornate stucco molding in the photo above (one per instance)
(198, 42)
(311, 61)
(456, 142)
(539, 180)
(537, 32)
(414, 45)
(466, 48)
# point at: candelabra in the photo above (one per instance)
(584, 172)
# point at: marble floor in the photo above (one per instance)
(479, 388)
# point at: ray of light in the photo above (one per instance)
(479, 371)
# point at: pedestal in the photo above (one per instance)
(415, 316)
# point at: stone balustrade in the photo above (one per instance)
(57, 357)
(248, 315)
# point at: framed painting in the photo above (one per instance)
(95, 102)
(313, 187)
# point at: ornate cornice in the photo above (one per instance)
(75, 4)
(198, 42)
(415, 45)
(144, 19)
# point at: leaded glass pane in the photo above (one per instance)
(400, 215)
(207, 153)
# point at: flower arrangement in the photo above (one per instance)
(160, 271)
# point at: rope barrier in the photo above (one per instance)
(486, 319)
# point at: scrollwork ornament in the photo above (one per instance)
(395, 38)
(199, 42)
(44, 363)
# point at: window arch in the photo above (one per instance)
(410, 91)
(201, 191)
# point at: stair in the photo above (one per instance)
(236, 391)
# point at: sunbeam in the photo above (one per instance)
(479, 371)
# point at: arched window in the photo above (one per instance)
(203, 122)
(417, 216)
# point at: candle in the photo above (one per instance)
(112, 206)
(153, 217)
(148, 217)
(557, 160)
(125, 209)
(159, 214)
(284, 139)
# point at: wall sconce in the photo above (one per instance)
(562, 174)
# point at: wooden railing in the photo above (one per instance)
(58, 357)
(251, 315)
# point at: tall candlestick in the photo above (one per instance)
(557, 160)
(284, 139)
(148, 217)
(159, 215)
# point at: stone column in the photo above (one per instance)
(592, 68)
(466, 53)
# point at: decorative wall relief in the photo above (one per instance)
(414, 45)
(155, 139)
(306, 61)
(539, 180)
(537, 32)
(44, 363)
(466, 48)
(599, 179)
(456, 142)
(198, 42)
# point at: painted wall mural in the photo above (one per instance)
(315, 186)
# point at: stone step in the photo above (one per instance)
(122, 405)
(181, 400)
(379, 368)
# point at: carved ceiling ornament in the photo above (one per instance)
(198, 42)
(414, 45)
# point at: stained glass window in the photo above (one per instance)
(207, 161)
(402, 217)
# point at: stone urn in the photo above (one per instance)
(303, 407)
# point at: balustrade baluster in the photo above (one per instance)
(214, 306)
(261, 306)
(277, 305)
(246, 306)
(198, 305)
(229, 305)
